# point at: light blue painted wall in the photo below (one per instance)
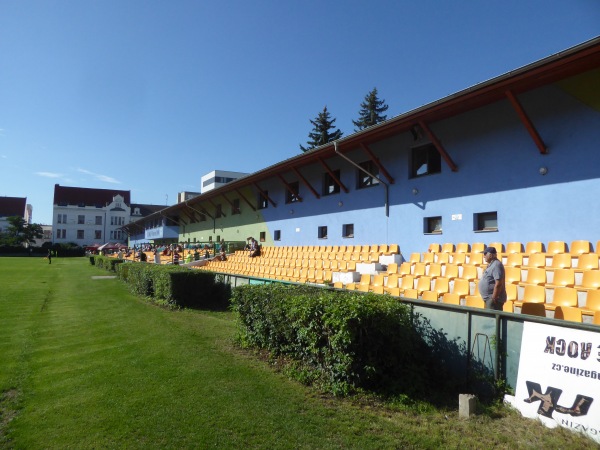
(498, 171)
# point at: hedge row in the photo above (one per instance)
(173, 285)
(342, 341)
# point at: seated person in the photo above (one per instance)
(254, 248)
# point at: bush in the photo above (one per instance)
(104, 262)
(341, 340)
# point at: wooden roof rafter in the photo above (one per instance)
(289, 188)
(537, 139)
(438, 145)
(376, 161)
(306, 183)
(332, 175)
(218, 209)
(265, 195)
(245, 199)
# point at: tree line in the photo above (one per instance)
(324, 130)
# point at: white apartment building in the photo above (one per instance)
(218, 178)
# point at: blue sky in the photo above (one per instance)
(148, 96)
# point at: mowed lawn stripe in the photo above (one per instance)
(105, 369)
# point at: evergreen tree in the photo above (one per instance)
(19, 232)
(320, 133)
(371, 111)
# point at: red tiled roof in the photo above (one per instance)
(12, 206)
(87, 196)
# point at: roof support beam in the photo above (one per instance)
(376, 161)
(438, 145)
(289, 188)
(330, 172)
(306, 183)
(527, 122)
(246, 200)
(217, 209)
(265, 195)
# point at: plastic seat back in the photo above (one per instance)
(534, 294)
(451, 299)
(536, 275)
(512, 275)
(568, 313)
(474, 301)
(513, 247)
(534, 247)
(533, 309)
(591, 279)
(431, 296)
(463, 247)
(564, 277)
(588, 261)
(556, 247)
(580, 247)
(537, 260)
(561, 261)
(514, 260)
(565, 296)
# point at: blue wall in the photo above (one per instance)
(498, 170)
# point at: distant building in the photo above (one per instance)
(186, 195)
(218, 178)
(10, 207)
(87, 216)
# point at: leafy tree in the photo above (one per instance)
(19, 232)
(371, 111)
(320, 133)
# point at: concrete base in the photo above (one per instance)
(345, 277)
(466, 405)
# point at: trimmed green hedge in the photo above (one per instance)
(173, 285)
(104, 262)
(342, 341)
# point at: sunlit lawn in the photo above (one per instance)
(85, 364)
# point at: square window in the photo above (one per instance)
(365, 180)
(263, 236)
(487, 221)
(348, 230)
(235, 207)
(425, 160)
(277, 235)
(80, 219)
(322, 233)
(330, 185)
(263, 200)
(292, 197)
(79, 234)
(432, 225)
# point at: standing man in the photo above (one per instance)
(49, 256)
(491, 284)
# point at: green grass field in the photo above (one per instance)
(85, 364)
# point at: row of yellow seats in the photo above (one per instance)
(388, 249)
(590, 279)
(333, 265)
(576, 247)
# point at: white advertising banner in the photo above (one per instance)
(559, 378)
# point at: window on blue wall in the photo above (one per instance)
(425, 160)
(365, 180)
(348, 230)
(487, 221)
(432, 225)
(277, 235)
(330, 185)
(292, 197)
(322, 233)
(263, 200)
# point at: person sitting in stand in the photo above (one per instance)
(176, 257)
(254, 248)
(222, 255)
(196, 255)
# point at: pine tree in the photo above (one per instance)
(320, 134)
(371, 111)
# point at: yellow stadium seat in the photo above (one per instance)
(477, 247)
(498, 246)
(512, 275)
(469, 272)
(580, 247)
(434, 248)
(392, 268)
(423, 284)
(461, 287)
(535, 260)
(513, 247)
(509, 306)
(561, 261)
(590, 280)
(450, 299)
(462, 247)
(442, 258)
(448, 248)
(406, 282)
(434, 270)
(405, 269)
(570, 313)
(410, 293)
(428, 258)
(536, 276)
(533, 309)
(419, 269)
(533, 294)
(596, 318)
(450, 271)
(475, 259)
(534, 247)
(474, 301)
(592, 302)
(562, 278)
(514, 260)
(556, 247)
(429, 296)
(415, 258)
(459, 259)
(391, 282)
(441, 285)
(587, 261)
(563, 296)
